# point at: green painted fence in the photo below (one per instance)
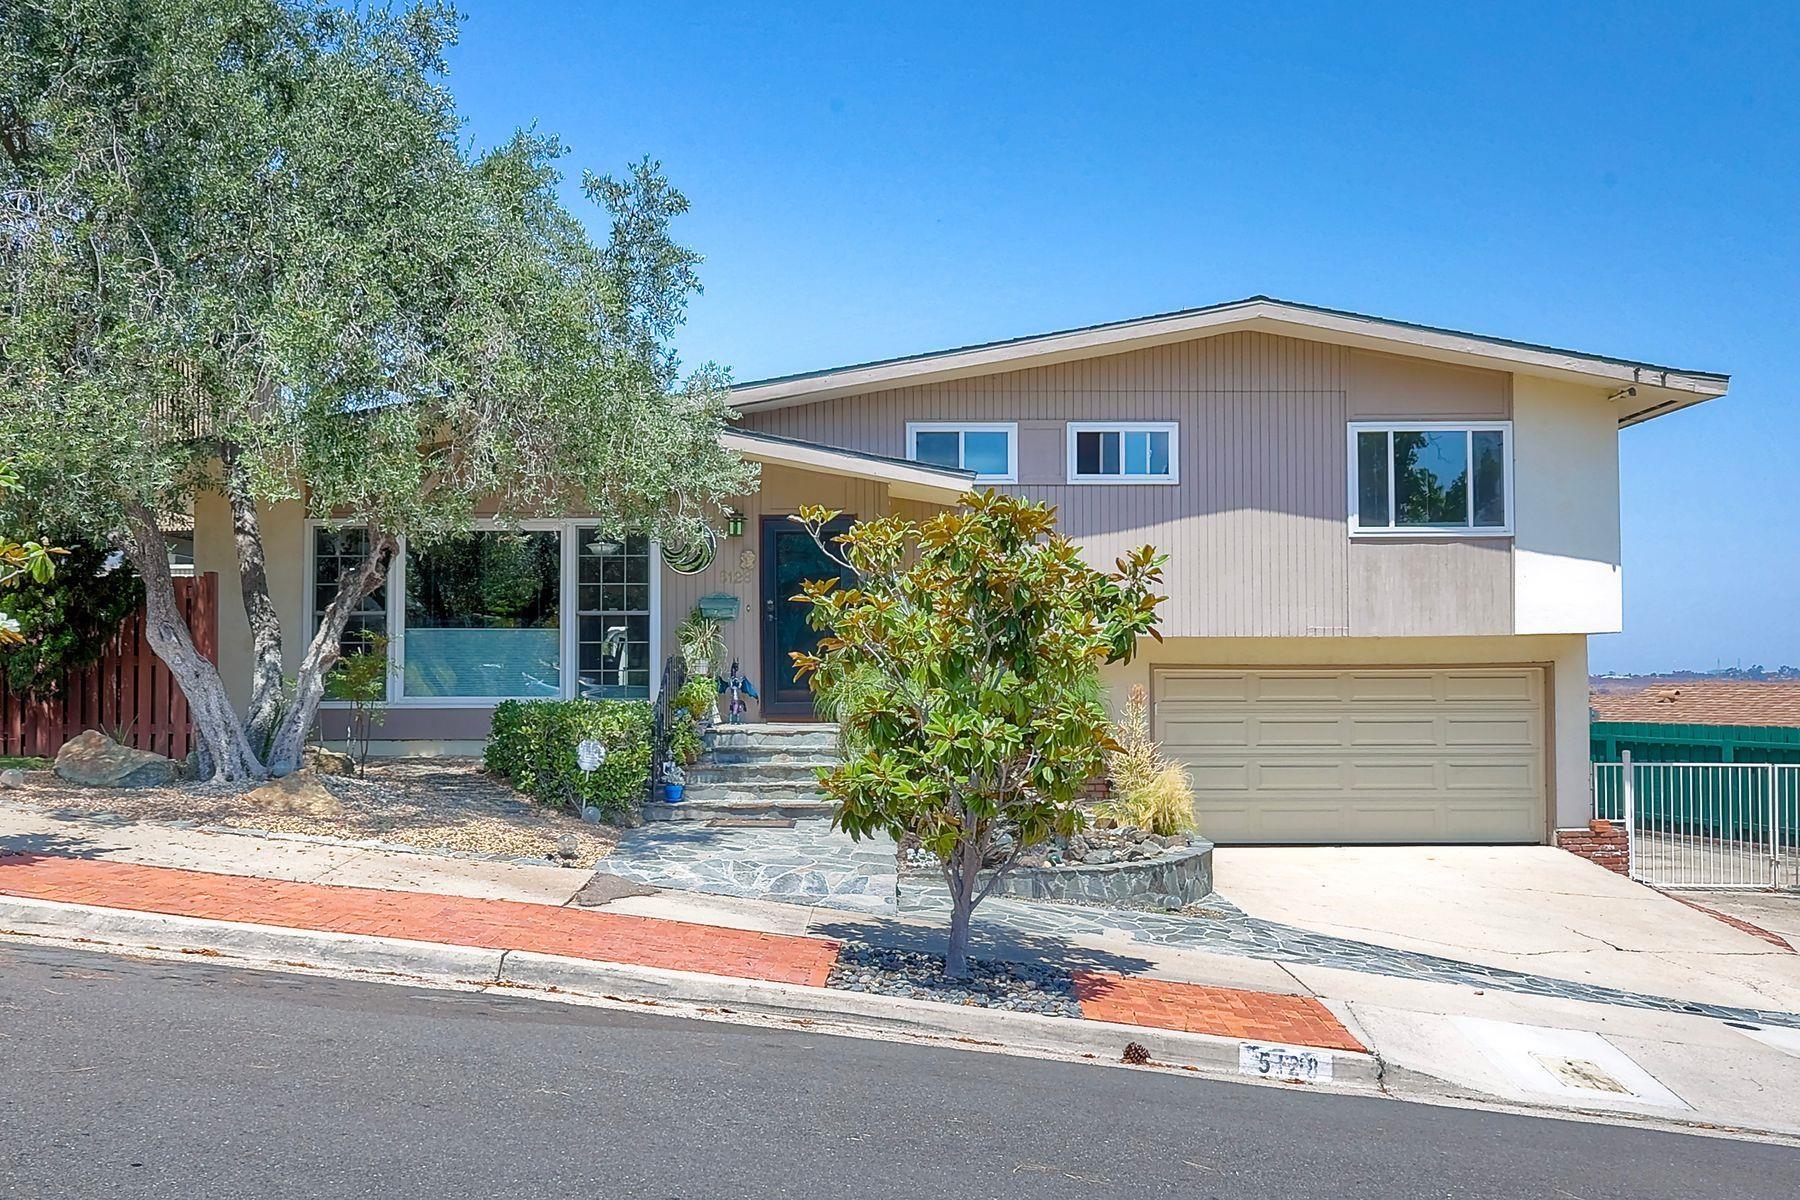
(1650, 742)
(1728, 795)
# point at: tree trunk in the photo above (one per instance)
(221, 733)
(962, 879)
(265, 622)
(322, 653)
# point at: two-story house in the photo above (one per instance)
(1388, 546)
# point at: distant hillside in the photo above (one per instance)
(1633, 683)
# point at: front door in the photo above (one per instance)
(789, 557)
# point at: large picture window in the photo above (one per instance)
(483, 617)
(1435, 478)
(500, 614)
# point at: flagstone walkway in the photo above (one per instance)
(807, 863)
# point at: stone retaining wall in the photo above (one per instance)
(1170, 880)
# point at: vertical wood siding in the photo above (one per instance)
(1255, 530)
(737, 568)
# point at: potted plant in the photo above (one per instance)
(702, 641)
(674, 782)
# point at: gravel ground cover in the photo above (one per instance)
(918, 976)
(443, 804)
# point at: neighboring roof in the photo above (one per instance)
(1769, 704)
(905, 478)
(1659, 389)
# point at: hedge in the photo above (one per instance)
(532, 746)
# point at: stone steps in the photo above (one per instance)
(712, 806)
(760, 770)
(772, 739)
(757, 772)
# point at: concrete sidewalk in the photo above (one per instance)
(1435, 1040)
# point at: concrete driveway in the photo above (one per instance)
(1528, 908)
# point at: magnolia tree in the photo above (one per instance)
(20, 560)
(246, 249)
(964, 662)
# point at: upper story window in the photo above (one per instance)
(1431, 478)
(989, 450)
(1123, 452)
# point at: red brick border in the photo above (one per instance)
(1194, 1008)
(615, 938)
(423, 917)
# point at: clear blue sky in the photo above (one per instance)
(872, 180)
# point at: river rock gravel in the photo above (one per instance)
(914, 975)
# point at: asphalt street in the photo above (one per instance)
(129, 1078)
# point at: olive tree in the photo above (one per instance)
(247, 250)
(963, 661)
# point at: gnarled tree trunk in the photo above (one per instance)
(265, 622)
(322, 653)
(221, 733)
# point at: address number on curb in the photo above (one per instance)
(1292, 1064)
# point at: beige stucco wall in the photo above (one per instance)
(1566, 556)
(1563, 657)
(284, 548)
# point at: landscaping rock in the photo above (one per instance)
(12, 777)
(95, 760)
(1015, 987)
(327, 761)
(302, 793)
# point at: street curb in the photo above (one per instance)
(676, 993)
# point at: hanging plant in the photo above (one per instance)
(690, 560)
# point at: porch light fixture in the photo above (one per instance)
(734, 523)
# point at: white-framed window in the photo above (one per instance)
(1124, 452)
(614, 615)
(989, 449)
(542, 610)
(1431, 478)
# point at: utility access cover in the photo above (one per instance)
(1568, 1064)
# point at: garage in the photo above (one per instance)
(1359, 754)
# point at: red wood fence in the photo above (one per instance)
(129, 693)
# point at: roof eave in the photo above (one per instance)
(1259, 314)
(907, 480)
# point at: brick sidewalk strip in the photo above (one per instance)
(613, 938)
(1195, 1008)
(423, 917)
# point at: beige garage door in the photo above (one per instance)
(1387, 755)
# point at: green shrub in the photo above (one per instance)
(66, 620)
(693, 707)
(532, 746)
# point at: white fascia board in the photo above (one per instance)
(1655, 385)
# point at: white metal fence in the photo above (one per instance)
(1705, 825)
